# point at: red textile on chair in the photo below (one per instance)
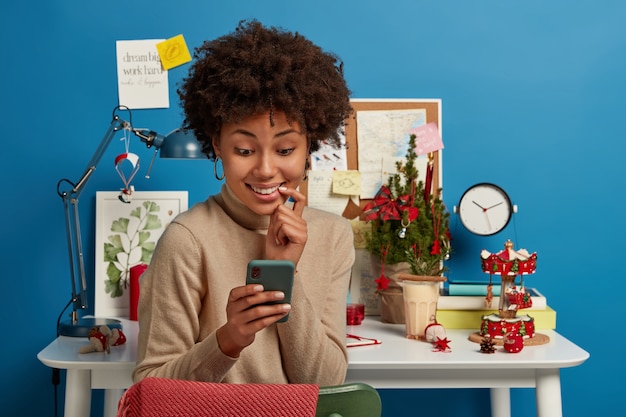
(163, 397)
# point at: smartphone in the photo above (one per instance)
(274, 275)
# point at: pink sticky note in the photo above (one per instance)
(427, 138)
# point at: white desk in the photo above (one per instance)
(97, 370)
(396, 363)
(403, 363)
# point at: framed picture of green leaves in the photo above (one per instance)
(126, 235)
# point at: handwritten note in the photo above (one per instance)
(142, 82)
(173, 52)
(320, 193)
(427, 139)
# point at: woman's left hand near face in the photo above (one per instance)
(287, 232)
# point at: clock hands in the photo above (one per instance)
(490, 200)
(490, 207)
(487, 217)
(495, 205)
(481, 207)
(485, 211)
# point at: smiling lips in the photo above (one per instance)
(264, 191)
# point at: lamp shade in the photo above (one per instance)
(181, 144)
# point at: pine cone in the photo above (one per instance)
(487, 345)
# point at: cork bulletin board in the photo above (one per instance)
(433, 115)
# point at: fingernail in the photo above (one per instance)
(258, 288)
(279, 295)
(286, 307)
(282, 188)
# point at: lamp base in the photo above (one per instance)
(82, 327)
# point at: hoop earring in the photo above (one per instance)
(215, 169)
(307, 165)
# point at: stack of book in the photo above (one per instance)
(462, 305)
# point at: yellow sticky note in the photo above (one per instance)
(173, 52)
(347, 182)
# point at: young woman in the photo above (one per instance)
(260, 100)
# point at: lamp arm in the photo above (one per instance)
(116, 124)
(72, 220)
(75, 250)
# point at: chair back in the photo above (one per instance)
(348, 400)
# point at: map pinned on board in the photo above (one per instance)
(173, 52)
(427, 138)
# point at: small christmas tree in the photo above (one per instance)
(409, 223)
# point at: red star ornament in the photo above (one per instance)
(382, 282)
(441, 345)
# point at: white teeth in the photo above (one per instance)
(264, 190)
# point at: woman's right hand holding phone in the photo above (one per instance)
(246, 314)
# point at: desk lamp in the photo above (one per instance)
(177, 144)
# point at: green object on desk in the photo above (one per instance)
(348, 400)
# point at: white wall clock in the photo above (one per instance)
(485, 209)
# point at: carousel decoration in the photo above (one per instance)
(506, 324)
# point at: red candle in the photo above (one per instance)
(135, 272)
(355, 314)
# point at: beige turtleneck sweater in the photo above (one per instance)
(200, 257)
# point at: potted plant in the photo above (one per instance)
(409, 232)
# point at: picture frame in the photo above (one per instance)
(125, 236)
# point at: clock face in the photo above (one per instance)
(485, 209)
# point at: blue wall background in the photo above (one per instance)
(533, 99)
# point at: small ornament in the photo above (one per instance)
(489, 296)
(126, 194)
(487, 345)
(133, 160)
(442, 345)
(520, 298)
(382, 282)
(402, 232)
(513, 342)
(434, 331)
(102, 338)
(436, 250)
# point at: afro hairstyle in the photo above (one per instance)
(258, 69)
